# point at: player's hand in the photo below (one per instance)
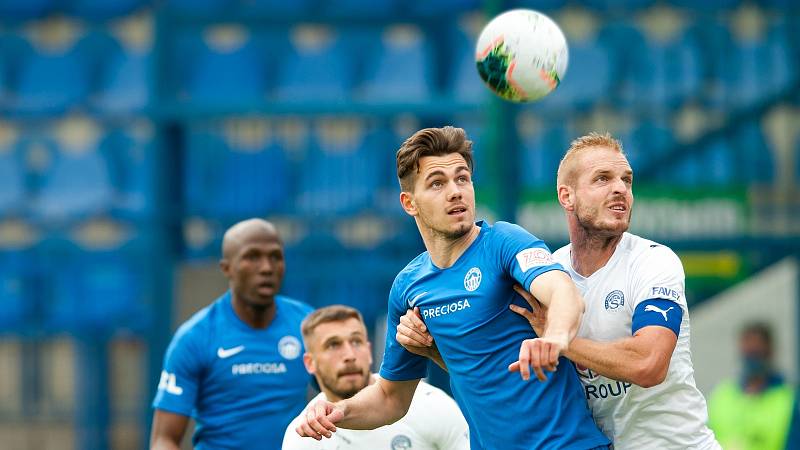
(540, 354)
(413, 335)
(536, 316)
(319, 420)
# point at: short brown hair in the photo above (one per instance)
(566, 170)
(430, 142)
(333, 313)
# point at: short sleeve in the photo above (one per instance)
(180, 376)
(522, 255)
(658, 274)
(398, 363)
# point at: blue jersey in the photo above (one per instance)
(242, 385)
(465, 307)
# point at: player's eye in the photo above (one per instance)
(436, 184)
(334, 345)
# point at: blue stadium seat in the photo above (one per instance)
(237, 172)
(588, 77)
(542, 147)
(15, 10)
(707, 6)
(77, 182)
(541, 5)
(198, 7)
(663, 73)
(300, 77)
(16, 301)
(466, 84)
(339, 175)
(131, 152)
(13, 193)
(96, 293)
(280, 8)
(755, 155)
(648, 141)
(401, 69)
(228, 70)
(626, 6)
(719, 164)
(443, 8)
(103, 9)
(124, 81)
(359, 8)
(38, 91)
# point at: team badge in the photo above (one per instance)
(289, 347)
(473, 279)
(614, 300)
(401, 442)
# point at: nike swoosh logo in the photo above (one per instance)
(223, 353)
(416, 297)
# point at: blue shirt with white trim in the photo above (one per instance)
(242, 385)
(466, 309)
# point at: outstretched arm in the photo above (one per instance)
(642, 359)
(381, 403)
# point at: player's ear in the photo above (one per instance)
(566, 197)
(225, 266)
(369, 352)
(408, 203)
(308, 361)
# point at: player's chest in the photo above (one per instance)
(398, 436)
(609, 308)
(459, 296)
(260, 362)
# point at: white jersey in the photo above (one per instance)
(433, 422)
(672, 415)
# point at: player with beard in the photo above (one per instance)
(236, 366)
(462, 285)
(632, 351)
(339, 355)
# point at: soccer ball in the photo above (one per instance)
(521, 55)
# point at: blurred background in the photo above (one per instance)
(133, 133)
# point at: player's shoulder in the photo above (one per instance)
(293, 306)
(507, 229)
(562, 255)
(646, 254)
(412, 269)
(198, 324)
(429, 392)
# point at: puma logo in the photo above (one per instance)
(658, 310)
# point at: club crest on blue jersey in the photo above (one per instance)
(289, 347)
(473, 279)
(401, 442)
(614, 300)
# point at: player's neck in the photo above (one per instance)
(254, 316)
(590, 252)
(444, 252)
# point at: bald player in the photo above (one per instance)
(236, 366)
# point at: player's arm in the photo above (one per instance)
(168, 430)
(642, 359)
(381, 403)
(559, 294)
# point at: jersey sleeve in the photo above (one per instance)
(439, 419)
(522, 255)
(658, 290)
(398, 363)
(180, 376)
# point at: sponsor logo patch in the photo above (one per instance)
(534, 257)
